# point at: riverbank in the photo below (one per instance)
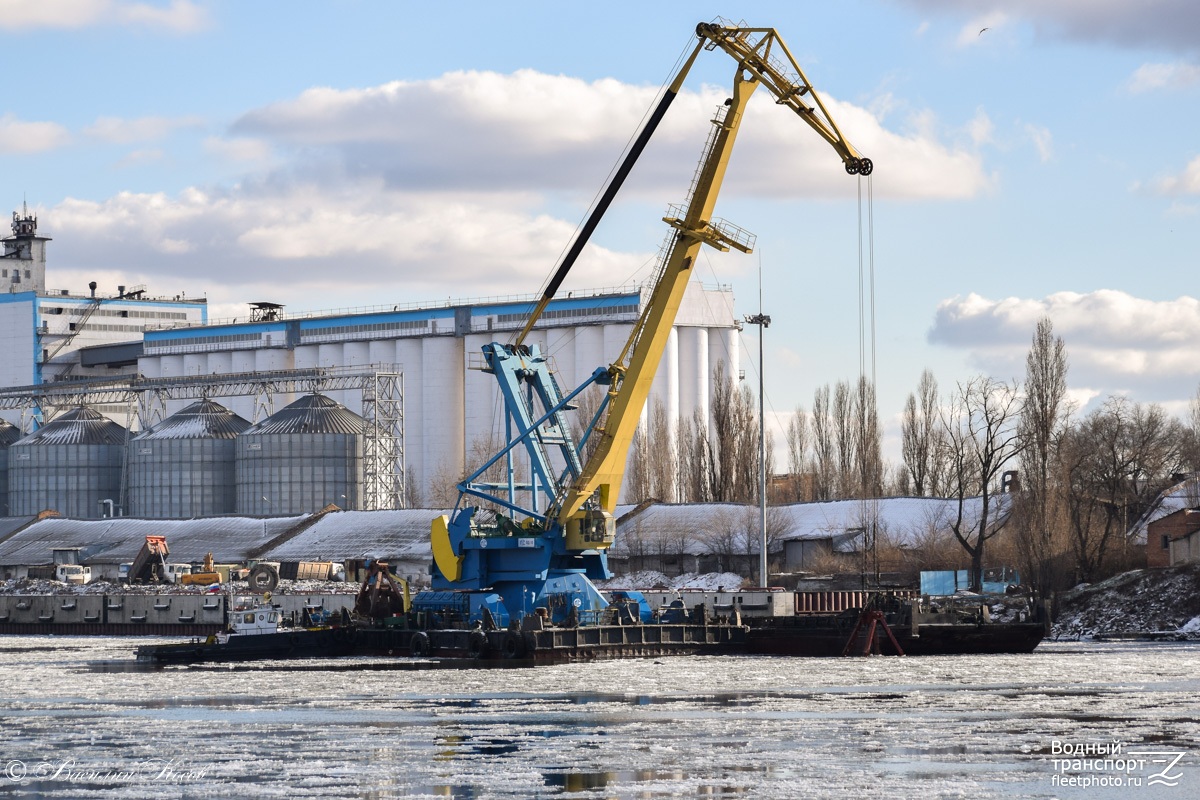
(1140, 604)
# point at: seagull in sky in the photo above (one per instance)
(981, 30)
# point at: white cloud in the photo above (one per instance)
(1043, 141)
(1149, 77)
(242, 149)
(302, 239)
(442, 187)
(180, 16)
(1115, 342)
(143, 129)
(980, 128)
(1187, 182)
(139, 157)
(528, 130)
(18, 136)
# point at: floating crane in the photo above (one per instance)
(505, 568)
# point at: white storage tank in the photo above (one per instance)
(184, 466)
(71, 465)
(301, 459)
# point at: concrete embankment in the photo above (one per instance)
(139, 614)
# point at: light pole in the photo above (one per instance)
(762, 321)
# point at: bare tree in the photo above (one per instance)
(1117, 459)
(844, 440)
(824, 470)
(980, 426)
(661, 458)
(636, 487)
(732, 457)
(920, 433)
(868, 446)
(1043, 419)
(797, 450)
(692, 465)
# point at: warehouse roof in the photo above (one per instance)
(342, 535)
(692, 527)
(117, 540)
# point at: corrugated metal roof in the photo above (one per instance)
(117, 540)
(9, 433)
(78, 426)
(10, 524)
(341, 535)
(203, 419)
(314, 413)
(904, 520)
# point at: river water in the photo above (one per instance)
(1090, 720)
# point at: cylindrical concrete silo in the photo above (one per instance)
(185, 466)
(71, 465)
(9, 433)
(301, 459)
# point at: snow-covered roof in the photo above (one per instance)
(1185, 494)
(314, 413)
(116, 540)
(203, 419)
(341, 535)
(691, 527)
(81, 425)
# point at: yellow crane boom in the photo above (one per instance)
(762, 59)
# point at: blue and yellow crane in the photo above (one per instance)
(509, 556)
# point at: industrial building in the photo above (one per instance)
(43, 331)
(409, 374)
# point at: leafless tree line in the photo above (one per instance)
(700, 459)
(1084, 479)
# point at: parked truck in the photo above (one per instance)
(312, 571)
(73, 573)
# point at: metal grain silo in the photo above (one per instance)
(301, 459)
(184, 466)
(71, 465)
(9, 433)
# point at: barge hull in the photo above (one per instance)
(304, 643)
(827, 636)
(556, 645)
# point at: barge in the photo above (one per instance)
(908, 626)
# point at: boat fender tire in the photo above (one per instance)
(477, 644)
(294, 640)
(514, 645)
(418, 645)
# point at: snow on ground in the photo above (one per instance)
(1157, 602)
(650, 579)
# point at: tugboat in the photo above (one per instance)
(256, 630)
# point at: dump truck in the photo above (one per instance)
(312, 571)
(148, 566)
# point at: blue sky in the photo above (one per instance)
(344, 154)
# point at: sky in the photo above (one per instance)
(1032, 158)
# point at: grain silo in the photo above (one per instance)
(301, 459)
(9, 433)
(184, 466)
(71, 465)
